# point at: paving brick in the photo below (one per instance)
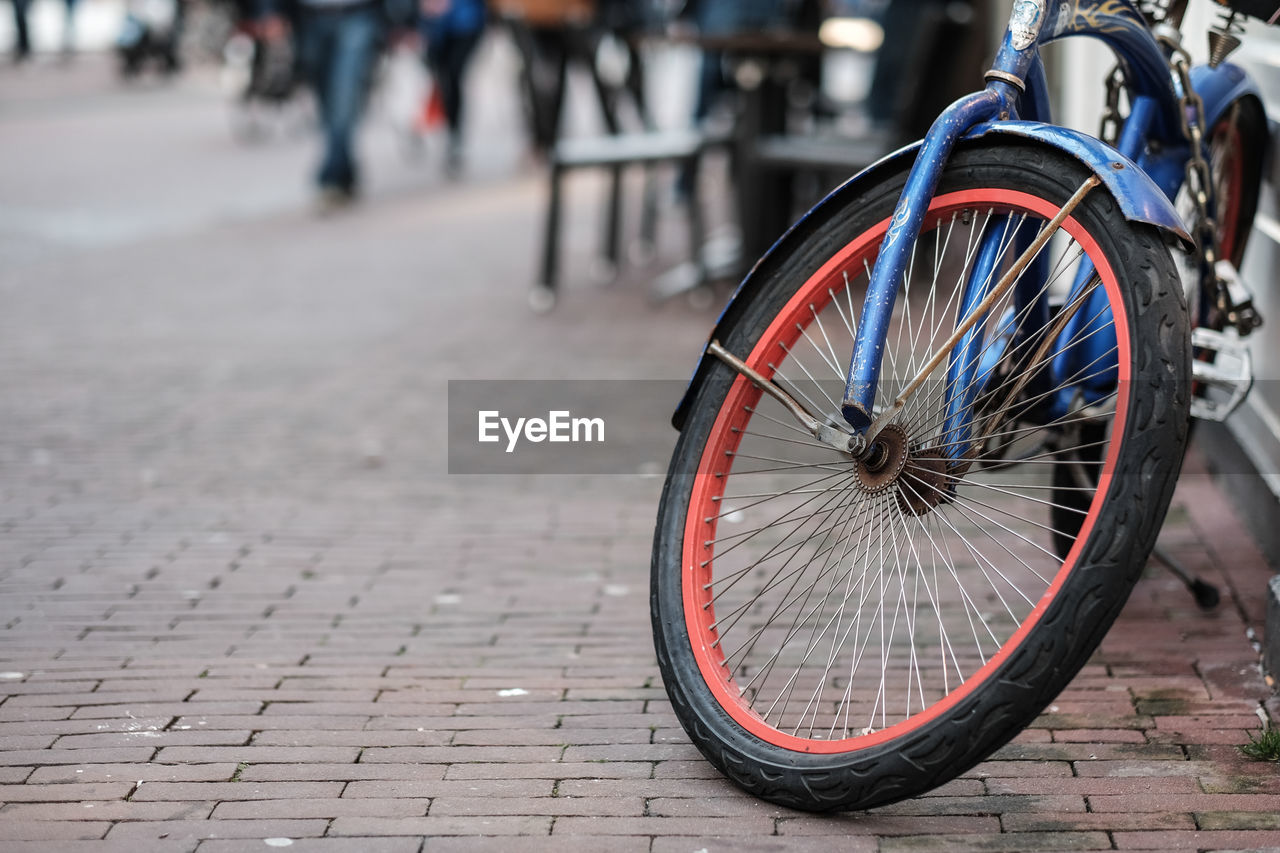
(273, 722)
(1183, 802)
(48, 830)
(1238, 820)
(557, 806)
(101, 846)
(325, 808)
(1019, 842)
(593, 770)
(321, 845)
(1101, 736)
(133, 773)
(1109, 822)
(574, 844)
(152, 709)
(1020, 769)
(39, 757)
(479, 788)
(116, 810)
(887, 826)
(1003, 804)
(200, 829)
(340, 772)
(1096, 786)
(257, 754)
(424, 826)
(16, 742)
(181, 791)
(153, 739)
(793, 844)
(661, 826)
(64, 793)
(459, 754)
(361, 739)
(1216, 840)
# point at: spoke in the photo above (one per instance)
(802, 489)
(811, 443)
(1015, 494)
(778, 578)
(744, 535)
(981, 559)
(796, 625)
(815, 638)
(791, 425)
(1009, 357)
(778, 548)
(1007, 281)
(785, 382)
(960, 502)
(834, 363)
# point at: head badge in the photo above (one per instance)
(1024, 25)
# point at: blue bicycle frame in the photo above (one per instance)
(1142, 176)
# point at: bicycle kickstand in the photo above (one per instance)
(1205, 593)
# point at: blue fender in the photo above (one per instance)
(1138, 197)
(1220, 87)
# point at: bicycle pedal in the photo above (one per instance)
(1239, 308)
(1221, 372)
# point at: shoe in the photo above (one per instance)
(453, 159)
(332, 198)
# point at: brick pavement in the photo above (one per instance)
(243, 605)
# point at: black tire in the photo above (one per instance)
(1237, 150)
(720, 698)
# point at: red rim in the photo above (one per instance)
(716, 464)
(1226, 141)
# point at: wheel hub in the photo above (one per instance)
(880, 466)
(924, 485)
(922, 476)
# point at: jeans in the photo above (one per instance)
(22, 34)
(722, 18)
(337, 49)
(447, 58)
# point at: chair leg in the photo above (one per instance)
(649, 211)
(613, 224)
(697, 229)
(543, 296)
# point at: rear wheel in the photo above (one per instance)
(842, 633)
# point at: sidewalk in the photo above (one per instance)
(242, 607)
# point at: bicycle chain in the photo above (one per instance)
(1112, 119)
(1244, 317)
(1199, 171)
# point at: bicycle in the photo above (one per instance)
(870, 571)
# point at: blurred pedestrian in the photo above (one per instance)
(22, 34)
(719, 18)
(451, 29)
(338, 42)
(69, 29)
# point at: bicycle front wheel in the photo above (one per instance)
(842, 633)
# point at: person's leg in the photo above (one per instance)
(355, 45)
(69, 27)
(461, 49)
(315, 40)
(22, 43)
